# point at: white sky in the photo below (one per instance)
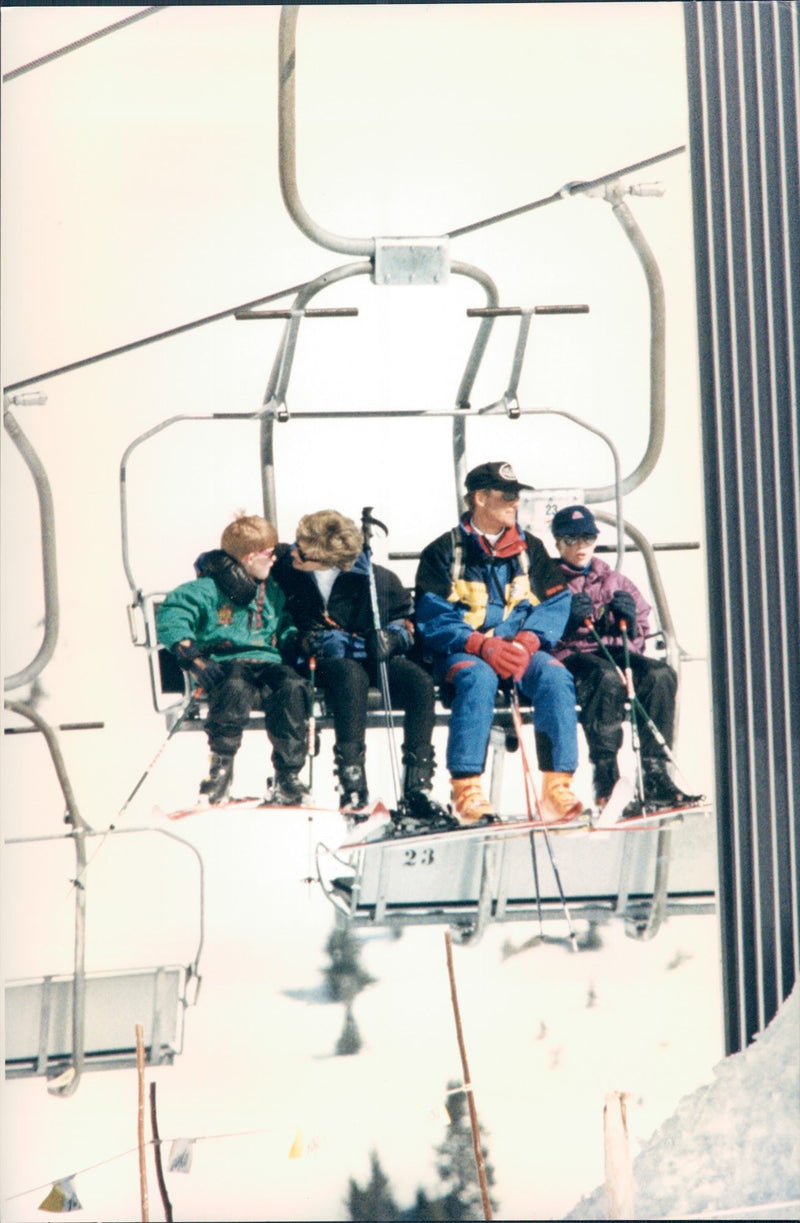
(140, 191)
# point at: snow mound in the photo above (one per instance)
(732, 1144)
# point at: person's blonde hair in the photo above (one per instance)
(248, 533)
(329, 538)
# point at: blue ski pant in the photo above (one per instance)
(546, 683)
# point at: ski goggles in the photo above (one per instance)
(571, 540)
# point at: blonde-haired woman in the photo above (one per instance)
(325, 577)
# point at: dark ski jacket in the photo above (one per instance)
(227, 613)
(462, 586)
(341, 629)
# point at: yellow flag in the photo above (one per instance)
(62, 1197)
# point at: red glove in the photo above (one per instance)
(530, 644)
(505, 657)
(529, 640)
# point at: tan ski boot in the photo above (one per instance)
(469, 803)
(559, 802)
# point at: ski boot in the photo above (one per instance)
(605, 777)
(470, 806)
(287, 790)
(417, 811)
(660, 791)
(559, 803)
(353, 793)
(215, 788)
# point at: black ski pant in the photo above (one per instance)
(600, 692)
(279, 691)
(346, 683)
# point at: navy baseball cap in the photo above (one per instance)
(494, 475)
(573, 520)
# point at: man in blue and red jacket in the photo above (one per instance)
(490, 604)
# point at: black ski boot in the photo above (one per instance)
(287, 790)
(605, 777)
(416, 803)
(660, 790)
(215, 788)
(354, 796)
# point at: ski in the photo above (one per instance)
(388, 833)
(394, 835)
(652, 819)
(239, 804)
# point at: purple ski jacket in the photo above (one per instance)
(599, 582)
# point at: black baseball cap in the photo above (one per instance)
(494, 475)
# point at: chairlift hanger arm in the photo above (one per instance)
(612, 194)
(48, 538)
(275, 393)
(79, 830)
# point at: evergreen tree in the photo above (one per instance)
(456, 1164)
(375, 1202)
(350, 1040)
(425, 1210)
(344, 976)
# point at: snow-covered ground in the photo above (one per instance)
(733, 1145)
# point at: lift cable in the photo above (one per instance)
(568, 190)
(564, 193)
(81, 42)
(151, 339)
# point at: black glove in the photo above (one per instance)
(314, 643)
(582, 610)
(186, 652)
(206, 671)
(382, 644)
(623, 607)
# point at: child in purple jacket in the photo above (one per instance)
(604, 598)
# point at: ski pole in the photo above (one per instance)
(637, 747)
(311, 732)
(311, 746)
(528, 782)
(517, 719)
(113, 826)
(654, 731)
(367, 522)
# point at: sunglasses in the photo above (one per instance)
(303, 555)
(507, 494)
(571, 540)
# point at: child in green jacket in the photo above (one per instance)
(230, 630)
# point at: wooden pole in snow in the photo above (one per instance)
(619, 1170)
(473, 1112)
(140, 1126)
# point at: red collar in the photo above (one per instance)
(510, 543)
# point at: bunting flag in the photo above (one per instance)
(301, 1146)
(180, 1155)
(62, 1197)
